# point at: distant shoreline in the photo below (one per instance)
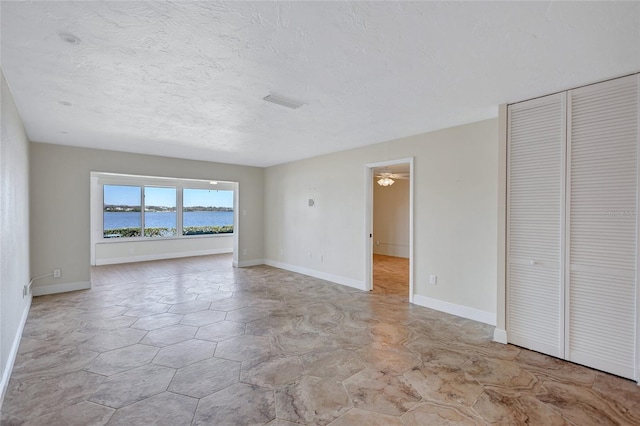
(112, 208)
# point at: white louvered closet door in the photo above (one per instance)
(602, 226)
(535, 200)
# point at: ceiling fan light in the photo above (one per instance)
(386, 181)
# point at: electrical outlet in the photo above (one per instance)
(310, 256)
(57, 273)
(433, 279)
(25, 291)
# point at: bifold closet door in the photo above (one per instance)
(535, 231)
(602, 225)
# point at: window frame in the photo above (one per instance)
(148, 181)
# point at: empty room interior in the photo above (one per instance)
(319, 213)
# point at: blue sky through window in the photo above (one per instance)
(130, 196)
(207, 198)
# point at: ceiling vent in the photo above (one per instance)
(283, 101)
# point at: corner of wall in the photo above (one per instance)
(13, 353)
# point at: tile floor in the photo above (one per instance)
(194, 341)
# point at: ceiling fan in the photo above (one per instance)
(386, 177)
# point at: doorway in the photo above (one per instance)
(390, 228)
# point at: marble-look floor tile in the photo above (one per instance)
(279, 324)
(119, 360)
(100, 325)
(282, 345)
(239, 404)
(189, 307)
(445, 385)
(271, 370)
(436, 354)
(164, 409)
(247, 314)
(624, 393)
(52, 364)
(501, 373)
(178, 298)
(220, 331)
(339, 364)
(83, 413)
(312, 401)
(212, 296)
(583, 406)
(381, 392)
(358, 417)
(300, 343)
(242, 348)
(169, 335)
(201, 318)
(388, 358)
(185, 353)
(37, 348)
(430, 413)
(228, 304)
(346, 338)
(37, 396)
(389, 333)
(556, 369)
(133, 385)
(153, 322)
(146, 310)
(108, 341)
(496, 407)
(205, 377)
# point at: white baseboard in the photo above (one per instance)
(458, 310)
(245, 263)
(317, 274)
(162, 256)
(60, 288)
(500, 335)
(6, 374)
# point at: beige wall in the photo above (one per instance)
(60, 202)
(138, 251)
(391, 218)
(14, 232)
(455, 215)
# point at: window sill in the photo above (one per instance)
(148, 239)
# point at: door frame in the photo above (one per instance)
(368, 275)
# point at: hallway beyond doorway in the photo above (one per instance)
(390, 275)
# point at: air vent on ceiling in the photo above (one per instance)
(283, 101)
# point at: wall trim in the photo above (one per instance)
(6, 374)
(160, 256)
(349, 282)
(500, 335)
(454, 309)
(246, 263)
(60, 288)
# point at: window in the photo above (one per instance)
(146, 207)
(207, 211)
(122, 215)
(160, 212)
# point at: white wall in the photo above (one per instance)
(455, 215)
(391, 218)
(14, 233)
(60, 204)
(136, 251)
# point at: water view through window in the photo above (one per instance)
(204, 211)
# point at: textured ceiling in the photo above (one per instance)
(186, 79)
